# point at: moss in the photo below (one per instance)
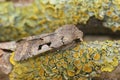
(78, 63)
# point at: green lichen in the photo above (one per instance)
(86, 60)
(47, 15)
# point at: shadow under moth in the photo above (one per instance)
(64, 37)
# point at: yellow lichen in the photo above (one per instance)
(46, 16)
(82, 78)
(115, 62)
(11, 59)
(87, 68)
(96, 56)
(71, 73)
(107, 68)
(62, 65)
(76, 55)
(77, 62)
(83, 59)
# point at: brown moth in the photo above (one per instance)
(35, 45)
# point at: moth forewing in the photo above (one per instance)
(35, 45)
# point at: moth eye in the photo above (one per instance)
(40, 46)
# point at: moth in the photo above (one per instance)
(62, 38)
